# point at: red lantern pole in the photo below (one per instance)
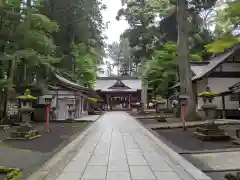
(47, 116)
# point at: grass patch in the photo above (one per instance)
(11, 173)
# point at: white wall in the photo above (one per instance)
(201, 85)
(230, 67)
(61, 100)
(219, 85)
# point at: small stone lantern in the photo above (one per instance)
(208, 108)
(160, 105)
(25, 131)
(209, 132)
(26, 106)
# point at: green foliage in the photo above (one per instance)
(227, 41)
(39, 37)
(11, 173)
(161, 69)
(228, 21)
(86, 65)
(80, 24)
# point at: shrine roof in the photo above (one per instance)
(204, 70)
(72, 85)
(107, 83)
(197, 68)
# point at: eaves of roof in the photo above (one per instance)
(214, 63)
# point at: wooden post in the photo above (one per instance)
(129, 101)
(223, 107)
(47, 116)
(107, 101)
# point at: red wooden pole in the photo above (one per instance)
(47, 116)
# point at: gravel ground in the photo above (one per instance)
(186, 140)
(15, 153)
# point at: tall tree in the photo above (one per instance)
(185, 73)
(27, 49)
(80, 23)
(140, 16)
(120, 53)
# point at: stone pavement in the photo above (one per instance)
(220, 161)
(118, 148)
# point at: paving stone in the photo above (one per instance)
(94, 173)
(141, 173)
(220, 160)
(69, 176)
(167, 175)
(118, 166)
(118, 176)
(98, 160)
(136, 159)
(75, 167)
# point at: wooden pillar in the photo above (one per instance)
(110, 102)
(107, 97)
(129, 101)
(223, 107)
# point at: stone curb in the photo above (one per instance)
(175, 157)
(169, 126)
(99, 116)
(61, 158)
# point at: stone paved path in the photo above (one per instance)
(119, 148)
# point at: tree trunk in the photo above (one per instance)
(144, 93)
(10, 74)
(185, 74)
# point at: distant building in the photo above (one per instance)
(69, 99)
(119, 91)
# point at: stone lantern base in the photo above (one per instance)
(210, 132)
(24, 132)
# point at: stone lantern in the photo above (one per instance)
(25, 130)
(26, 106)
(208, 107)
(160, 105)
(209, 131)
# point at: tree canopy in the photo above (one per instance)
(42, 37)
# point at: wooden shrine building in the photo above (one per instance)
(222, 74)
(119, 92)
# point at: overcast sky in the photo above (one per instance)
(115, 28)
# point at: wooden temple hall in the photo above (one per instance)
(119, 92)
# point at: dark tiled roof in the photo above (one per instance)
(234, 87)
(213, 63)
(69, 83)
(118, 78)
(105, 85)
(72, 85)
